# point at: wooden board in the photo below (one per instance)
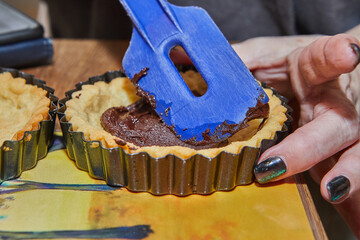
(77, 60)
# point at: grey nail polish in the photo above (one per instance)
(338, 187)
(269, 169)
(356, 51)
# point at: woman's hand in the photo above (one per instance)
(266, 58)
(328, 119)
(309, 68)
(319, 73)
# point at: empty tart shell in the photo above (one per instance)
(157, 169)
(27, 119)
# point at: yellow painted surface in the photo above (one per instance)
(248, 212)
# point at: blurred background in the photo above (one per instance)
(36, 9)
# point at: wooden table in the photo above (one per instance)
(77, 60)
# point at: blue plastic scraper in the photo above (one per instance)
(233, 95)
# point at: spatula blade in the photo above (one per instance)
(233, 95)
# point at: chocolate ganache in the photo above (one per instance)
(139, 124)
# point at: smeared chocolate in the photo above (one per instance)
(139, 91)
(139, 124)
(259, 111)
(120, 142)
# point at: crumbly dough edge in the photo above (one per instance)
(42, 107)
(77, 109)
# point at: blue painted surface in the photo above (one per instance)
(14, 186)
(132, 232)
(18, 185)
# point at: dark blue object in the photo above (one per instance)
(26, 53)
(126, 232)
(232, 90)
(16, 26)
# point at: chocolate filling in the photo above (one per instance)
(139, 123)
(259, 111)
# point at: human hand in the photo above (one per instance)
(328, 120)
(266, 57)
(262, 52)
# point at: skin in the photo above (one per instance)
(314, 71)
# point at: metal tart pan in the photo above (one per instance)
(166, 175)
(22, 155)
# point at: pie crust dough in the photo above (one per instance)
(22, 107)
(85, 108)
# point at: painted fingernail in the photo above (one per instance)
(269, 169)
(338, 187)
(356, 51)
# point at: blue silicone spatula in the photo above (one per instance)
(232, 92)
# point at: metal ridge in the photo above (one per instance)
(170, 174)
(22, 155)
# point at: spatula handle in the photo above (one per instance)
(153, 19)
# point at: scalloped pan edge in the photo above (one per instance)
(166, 175)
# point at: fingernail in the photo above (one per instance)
(269, 169)
(356, 51)
(338, 187)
